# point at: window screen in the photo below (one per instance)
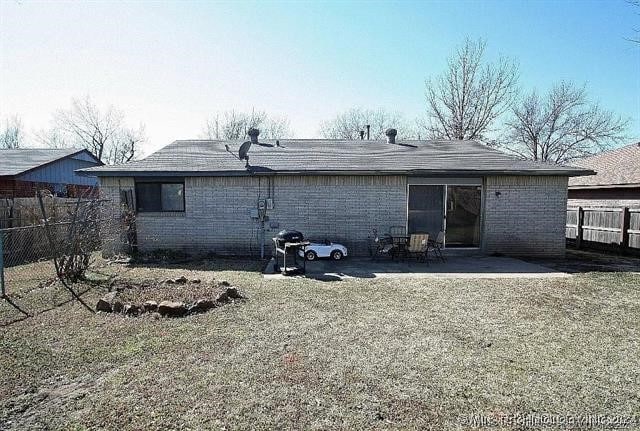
(158, 197)
(425, 209)
(172, 197)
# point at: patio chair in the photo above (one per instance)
(436, 246)
(397, 230)
(384, 246)
(418, 246)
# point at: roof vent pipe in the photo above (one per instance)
(253, 134)
(391, 135)
(368, 131)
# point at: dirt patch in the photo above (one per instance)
(174, 297)
(578, 261)
(150, 290)
(50, 398)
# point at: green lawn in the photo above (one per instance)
(369, 353)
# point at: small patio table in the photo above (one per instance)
(400, 243)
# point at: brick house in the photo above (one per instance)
(25, 170)
(200, 196)
(617, 182)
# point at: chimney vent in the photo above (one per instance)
(253, 134)
(391, 135)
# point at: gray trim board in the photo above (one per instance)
(434, 173)
(452, 181)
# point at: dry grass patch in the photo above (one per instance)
(151, 290)
(351, 354)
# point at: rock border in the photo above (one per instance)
(110, 303)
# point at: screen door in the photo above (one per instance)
(426, 209)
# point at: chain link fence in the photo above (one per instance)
(27, 258)
(45, 263)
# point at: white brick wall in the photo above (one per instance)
(525, 215)
(527, 218)
(216, 218)
(343, 209)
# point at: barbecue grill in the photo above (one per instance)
(289, 242)
(291, 236)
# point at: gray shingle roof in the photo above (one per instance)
(616, 167)
(15, 162)
(298, 156)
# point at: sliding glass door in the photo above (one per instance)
(463, 216)
(454, 209)
(426, 210)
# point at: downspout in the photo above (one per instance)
(271, 190)
(2, 289)
(262, 214)
(483, 203)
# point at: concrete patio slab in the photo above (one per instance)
(454, 267)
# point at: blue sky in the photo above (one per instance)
(170, 65)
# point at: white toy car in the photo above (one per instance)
(323, 249)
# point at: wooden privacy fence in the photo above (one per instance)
(18, 212)
(609, 228)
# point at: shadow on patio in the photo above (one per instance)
(454, 267)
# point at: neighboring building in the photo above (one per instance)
(23, 171)
(199, 196)
(616, 183)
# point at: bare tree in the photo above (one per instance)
(561, 126)
(102, 132)
(12, 135)
(276, 128)
(89, 126)
(126, 145)
(348, 124)
(52, 138)
(470, 95)
(234, 125)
